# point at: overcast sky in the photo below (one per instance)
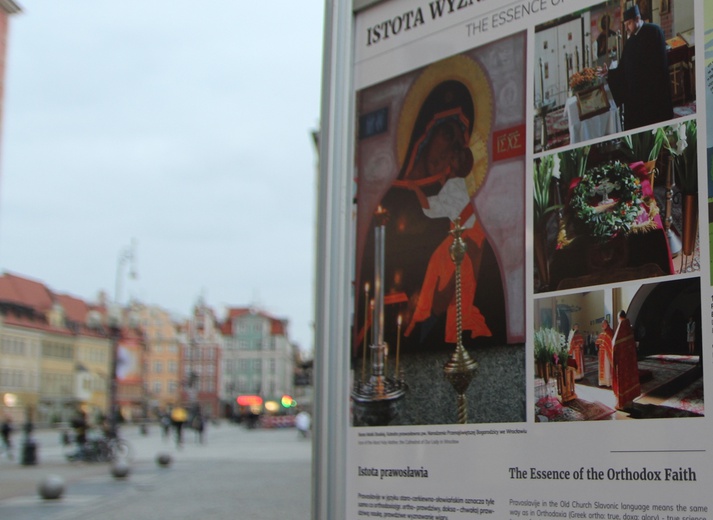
(183, 125)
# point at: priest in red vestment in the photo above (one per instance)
(604, 343)
(625, 380)
(576, 350)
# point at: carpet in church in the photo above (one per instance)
(595, 411)
(665, 370)
(675, 358)
(652, 411)
(550, 409)
(557, 130)
(689, 399)
(654, 371)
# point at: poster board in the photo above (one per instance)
(493, 377)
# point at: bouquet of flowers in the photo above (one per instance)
(584, 79)
(549, 344)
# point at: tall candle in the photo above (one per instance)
(371, 312)
(398, 346)
(386, 356)
(379, 240)
(366, 330)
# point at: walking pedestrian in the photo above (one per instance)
(199, 426)
(6, 432)
(179, 416)
(303, 421)
(80, 425)
(166, 425)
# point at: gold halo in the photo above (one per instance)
(469, 73)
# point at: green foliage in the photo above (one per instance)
(573, 164)
(646, 146)
(687, 160)
(606, 224)
(543, 171)
(548, 343)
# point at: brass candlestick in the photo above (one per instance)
(377, 397)
(460, 368)
(674, 243)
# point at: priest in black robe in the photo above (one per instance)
(641, 80)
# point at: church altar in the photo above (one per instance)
(599, 125)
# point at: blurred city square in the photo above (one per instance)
(235, 473)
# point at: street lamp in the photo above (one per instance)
(114, 335)
(193, 377)
(128, 254)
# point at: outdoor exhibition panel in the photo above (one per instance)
(512, 317)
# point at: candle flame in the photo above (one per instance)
(366, 287)
(398, 320)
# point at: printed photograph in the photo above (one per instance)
(629, 352)
(615, 67)
(619, 210)
(708, 13)
(438, 331)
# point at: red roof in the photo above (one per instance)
(75, 310)
(23, 291)
(278, 326)
(36, 296)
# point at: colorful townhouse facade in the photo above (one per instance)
(162, 360)
(58, 353)
(202, 348)
(258, 358)
(53, 358)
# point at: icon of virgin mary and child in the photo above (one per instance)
(441, 147)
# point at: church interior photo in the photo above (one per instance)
(572, 103)
(578, 343)
(617, 210)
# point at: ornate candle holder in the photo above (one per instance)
(376, 398)
(376, 402)
(460, 368)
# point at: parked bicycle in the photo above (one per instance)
(100, 448)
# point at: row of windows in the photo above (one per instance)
(197, 354)
(16, 379)
(56, 383)
(256, 344)
(250, 325)
(14, 346)
(57, 350)
(208, 370)
(157, 367)
(158, 348)
(157, 387)
(266, 343)
(93, 355)
(93, 384)
(249, 365)
(18, 346)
